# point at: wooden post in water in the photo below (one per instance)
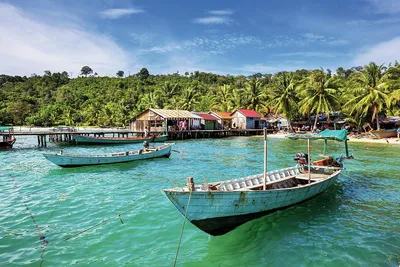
(265, 158)
(309, 161)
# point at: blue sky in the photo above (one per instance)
(224, 37)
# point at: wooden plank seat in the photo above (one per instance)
(256, 181)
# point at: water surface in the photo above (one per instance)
(355, 223)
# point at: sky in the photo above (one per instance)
(223, 37)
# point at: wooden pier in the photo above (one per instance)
(67, 136)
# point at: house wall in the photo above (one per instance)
(253, 123)
(209, 125)
(238, 121)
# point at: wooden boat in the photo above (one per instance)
(9, 139)
(70, 160)
(91, 140)
(219, 207)
(384, 133)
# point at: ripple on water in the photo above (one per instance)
(354, 223)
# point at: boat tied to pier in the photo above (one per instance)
(71, 160)
(98, 140)
(9, 139)
(219, 207)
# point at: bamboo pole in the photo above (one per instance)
(265, 158)
(309, 161)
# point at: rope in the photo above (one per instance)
(183, 226)
(109, 218)
(41, 236)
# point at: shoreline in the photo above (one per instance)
(387, 141)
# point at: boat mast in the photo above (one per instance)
(309, 161)
(265, 158)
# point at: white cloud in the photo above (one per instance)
(116, 13)
(224, 12)
(213, 20)
(385, 6)
(28, 45)
(161, 49)
(338, 42)
(384, 52)
(257, 68)
(308, 54)
(216, 45)
(313, 36)
(362, 22)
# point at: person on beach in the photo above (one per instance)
(398, 133)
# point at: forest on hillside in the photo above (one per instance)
(360, 94)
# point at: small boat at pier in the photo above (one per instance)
(97, 140)
(382, 133)
(71, 160)
(219, 207)
(9, 139)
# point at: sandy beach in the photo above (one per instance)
(390, 141)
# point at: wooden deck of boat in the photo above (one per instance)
(314, 176)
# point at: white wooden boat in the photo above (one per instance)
(101, 140)
(70, 160)
(219, 207)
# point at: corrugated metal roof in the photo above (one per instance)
(207, 116)
(249, 113)
(223, 114)
(175, 114)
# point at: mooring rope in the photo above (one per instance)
(183, 226)
(109, 218)
(41, 236)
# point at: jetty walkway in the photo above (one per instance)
(54, 135)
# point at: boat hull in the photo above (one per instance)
(69, 161)
(116, 140)
(7, 144)
(384, 133)
(217, 213)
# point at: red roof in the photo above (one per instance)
(249, 113)
(207, 116)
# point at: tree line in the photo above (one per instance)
(360, 94)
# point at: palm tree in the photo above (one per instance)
(189, 98)
(283, 96)
(223, 97)
(254, 93)
(370, 92)
(318, 94)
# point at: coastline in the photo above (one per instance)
(386, 141)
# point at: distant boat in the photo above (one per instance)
(70, 160)
(91, 140)
(384, 133)
(219, 207)
(9, 139)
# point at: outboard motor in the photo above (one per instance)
(145, 144)
(301, 158)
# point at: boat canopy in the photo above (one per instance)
(5, 128)
(338, 135)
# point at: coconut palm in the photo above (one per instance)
(370, 92)
(318, 94)
(189, 98)
(224, 94)
(283, 96)
(254, 93)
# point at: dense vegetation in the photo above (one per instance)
(360, 94)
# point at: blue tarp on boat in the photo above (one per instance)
(338, 135)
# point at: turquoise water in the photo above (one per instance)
(355, 223)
